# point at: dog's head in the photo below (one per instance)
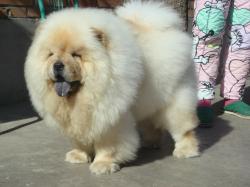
(69, 54)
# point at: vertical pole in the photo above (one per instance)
(42, 9)
(76, 3)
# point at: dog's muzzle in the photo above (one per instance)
(63, 87)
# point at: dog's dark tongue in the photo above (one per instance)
(62, 88)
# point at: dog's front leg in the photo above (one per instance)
(117, 146)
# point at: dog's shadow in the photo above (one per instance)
(208, 137)
(148, 155)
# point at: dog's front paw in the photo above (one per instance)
(104, 167)
(77, 156)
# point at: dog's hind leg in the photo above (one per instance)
(180, 119)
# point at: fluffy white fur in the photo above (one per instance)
(139, 70)
(150, 14)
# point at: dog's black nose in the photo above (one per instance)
(58, 66)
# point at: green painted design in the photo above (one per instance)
(214, 46)
(240, 16)
(210, 19)
(238, 108)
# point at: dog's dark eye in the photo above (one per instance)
(50, 54)
(76, 55)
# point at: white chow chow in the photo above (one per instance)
(97, 74)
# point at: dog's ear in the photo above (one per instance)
(100, 36)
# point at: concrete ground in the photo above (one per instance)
(32, 154)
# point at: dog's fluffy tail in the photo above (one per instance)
(149, 15)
